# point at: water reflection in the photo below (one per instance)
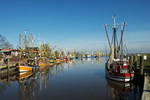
(7, 78)
(122, 91)
(119, 90)
(28, 86)
(84, 77)
(44, 77)
(2, 87)
(31, 84)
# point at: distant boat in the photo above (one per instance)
(43, 63)
(58, 61)
(117, 67)
(88, 56)
(51, 61)
(66, 59)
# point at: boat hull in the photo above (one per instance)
(24, 68)
(123, 77)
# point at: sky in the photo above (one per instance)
(76, 24)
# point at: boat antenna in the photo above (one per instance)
(25, 31)
(115, 25)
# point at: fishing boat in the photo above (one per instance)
(58, 61)
(66, 59)
(52, 61)
(43, 62)
(24, 67)
(117, 66)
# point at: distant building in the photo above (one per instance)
(9, 52)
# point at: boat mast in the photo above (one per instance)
(114, 39)
(121, 40)
(25, 39)
(20, 41)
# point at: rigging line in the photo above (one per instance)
(107, 34)
(126, 49)
(122, 31)
(106, 52)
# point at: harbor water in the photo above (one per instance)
(78, 79)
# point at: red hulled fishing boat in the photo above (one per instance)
(117, 66)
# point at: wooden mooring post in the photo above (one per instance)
(8, 66)
(141, 65)
(131, 61)
(135, 62)
(130, 58)
(8, 71)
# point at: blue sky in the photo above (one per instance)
(76, 24)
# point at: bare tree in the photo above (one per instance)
(4, 43)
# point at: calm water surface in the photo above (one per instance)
(80, 79)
